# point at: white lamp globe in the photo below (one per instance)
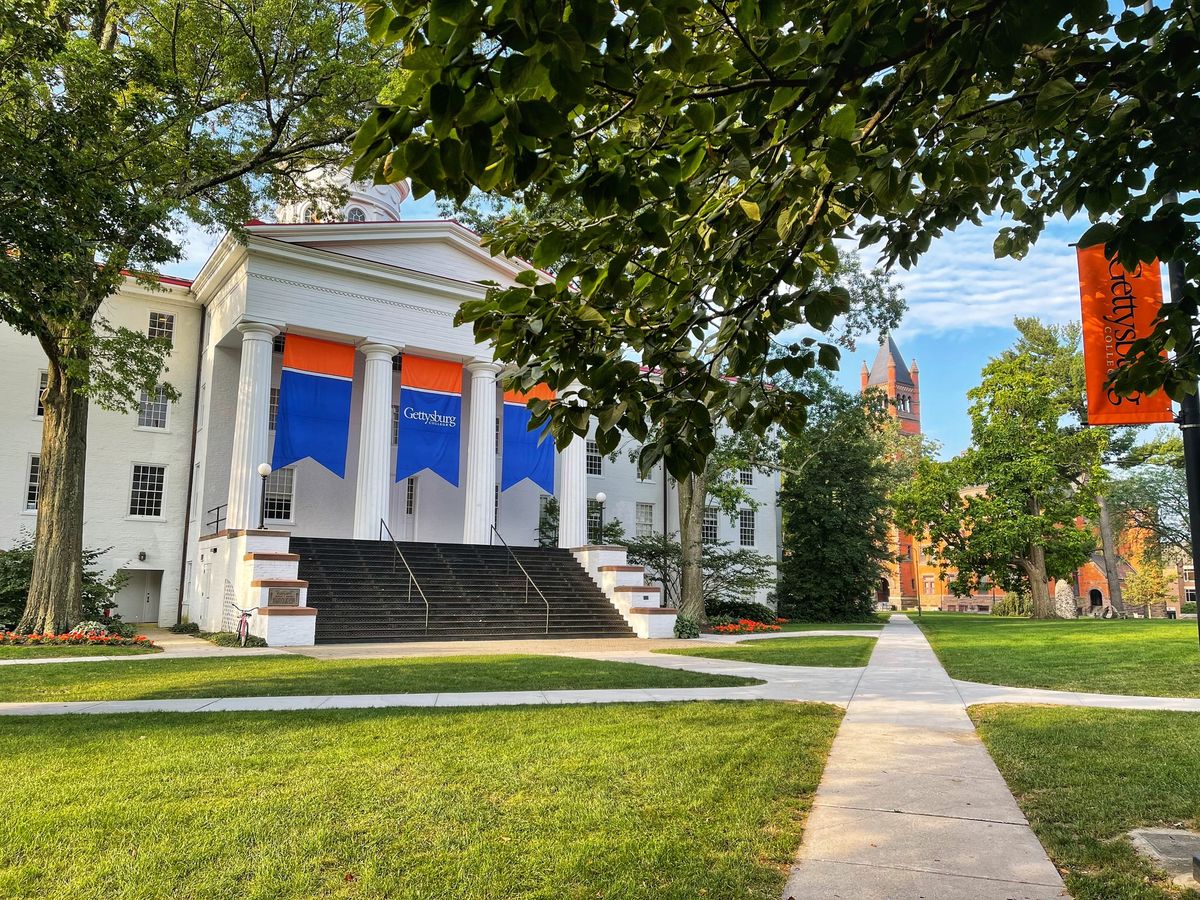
(601, 497)
(264, 469)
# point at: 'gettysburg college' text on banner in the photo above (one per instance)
(524, 456)
(430, 417)
(313, 417)
(1118, 308)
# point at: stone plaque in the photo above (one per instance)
(283, 596)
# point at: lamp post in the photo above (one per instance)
(600, 498)
(264, 470)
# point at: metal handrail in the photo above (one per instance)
(218, 518)
(528, 579)
(412, 579)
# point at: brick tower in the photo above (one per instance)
(901, 384)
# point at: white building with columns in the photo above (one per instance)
(163, 481)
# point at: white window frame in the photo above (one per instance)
(145, 401)
(356, 209)
(595, 521)
(643, 519)
(746, 477)
(43, 379)
(273, 408)
(410, 496)
(168, 333)
(595, 461)
(710, 525)
(141, 517)
(31, 483)
(291, 519)
(747, 525)
(395, 424)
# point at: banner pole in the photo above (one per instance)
(1189, 426)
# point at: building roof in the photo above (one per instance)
(879, 369)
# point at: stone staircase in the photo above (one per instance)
(361, 590)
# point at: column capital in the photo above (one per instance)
(484, 366)
(375, 349)
(257, 331)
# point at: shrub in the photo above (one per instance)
(75, 639)
(686, 628)
(90, 629)
(1188, 607)
(740, 609)
(16, 569)
(1012, 605)
(230, 639)
(185, 628)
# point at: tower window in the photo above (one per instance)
(356, 214)
(708, 526)
(595, 462)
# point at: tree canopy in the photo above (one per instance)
(720, 152)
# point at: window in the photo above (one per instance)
(904, 403)
(306, 215)
(644, 520)
(410, 496)
(708, 525)
(277, 501)
(595, 462)
(31, 483)
(273, 413)
(146, 491)
(277, 343)
(152, 410)
(162, 325)
(746, 476)
(929, 585)
(395, 425)
(595, 522)
(497, 435)
(43, 380)
(1189, 574)
(356, 214)
(746, 527)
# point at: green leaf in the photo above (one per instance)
(750, 208)
(1052, 102)
(841, 124)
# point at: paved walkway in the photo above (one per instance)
(910, 804)
(974, 693)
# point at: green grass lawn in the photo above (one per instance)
(1153, 657)
(1084, 777)
(226, 676)
(24, 652)
(830, 650)
(630, 801)
(832, 626)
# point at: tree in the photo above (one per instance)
(834, 503)
(727, 573)
(1147, 587)
(1151, 497)
(119, 122)
(721, 152)
(1006, 509)
(1057, 348)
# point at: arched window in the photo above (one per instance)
(306, 214)
(356, 214)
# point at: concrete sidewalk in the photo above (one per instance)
(910, 804)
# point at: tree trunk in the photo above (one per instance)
(1039, 585)
(692, 491)
(1111, 574)
(56, 587)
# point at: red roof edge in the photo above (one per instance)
(161, 279)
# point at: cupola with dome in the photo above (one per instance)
(365, 202)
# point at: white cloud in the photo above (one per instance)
(959, 285)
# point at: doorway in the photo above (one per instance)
(1095, 598)
(137, 600)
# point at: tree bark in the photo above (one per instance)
(55, 600)
(1034, 565)
(1108, 545)
(692, 492)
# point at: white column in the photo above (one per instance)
(572, 492)
(374, 487)
(250, 426)
(479, 506)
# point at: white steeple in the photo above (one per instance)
(366, 202)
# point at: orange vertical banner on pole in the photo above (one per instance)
(1118, 308)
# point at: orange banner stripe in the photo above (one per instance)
(1118, 307)
(537, 392)
(431, 374)
(319, 357)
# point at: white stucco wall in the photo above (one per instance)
(115, 444)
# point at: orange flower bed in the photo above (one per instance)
(744, 626)
(12, 639)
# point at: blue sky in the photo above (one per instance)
(961, 303)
